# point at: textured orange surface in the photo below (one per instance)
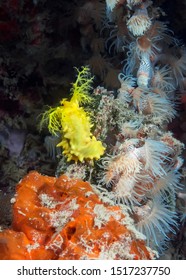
(61, 218)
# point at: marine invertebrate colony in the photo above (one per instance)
(145, 157)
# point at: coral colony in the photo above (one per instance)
(114, 194)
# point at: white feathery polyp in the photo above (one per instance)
(169, 182)
(155, 154)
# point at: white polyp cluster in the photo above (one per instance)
(141, 171)
(135, 163)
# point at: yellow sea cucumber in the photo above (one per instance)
(74, 123)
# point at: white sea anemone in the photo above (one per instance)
(139, 23)
(144, 44)
(127, 85)
(128, 82)
(124, 192)
(117, 39)
(121, 173)
(121, 165)
(155, 154)
(130, 129)
(155, 220)
(178, 66)
(157, 106)
(162, 79)
(167, 183)
(176, 59)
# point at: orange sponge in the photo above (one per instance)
(62, 218)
